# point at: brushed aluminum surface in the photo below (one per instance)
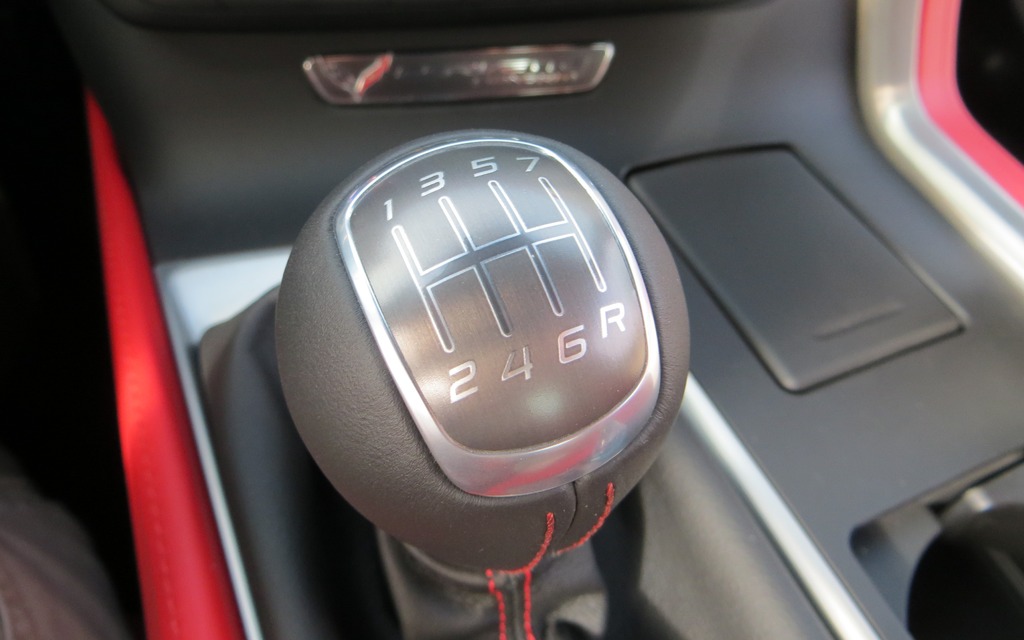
(509, 309)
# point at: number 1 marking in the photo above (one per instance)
(532, 160)
(389, 209)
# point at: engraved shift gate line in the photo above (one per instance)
(465, 262)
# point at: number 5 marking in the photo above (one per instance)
(484, 166)
(458, 390)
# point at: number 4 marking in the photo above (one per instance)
(532, 160)
(524, 370)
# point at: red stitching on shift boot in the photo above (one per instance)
(609, 494)
(500, 598)
(527, 569)
(527, 604)
(548, 533)
(527, 572)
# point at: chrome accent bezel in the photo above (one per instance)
(523, 471)
(316, 70)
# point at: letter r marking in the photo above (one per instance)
(612, 314)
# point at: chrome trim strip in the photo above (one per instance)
(391, 77)
(196, 295)
(820, 582)
(524, 471)
(887, 58)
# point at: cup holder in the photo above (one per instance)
(953, 568)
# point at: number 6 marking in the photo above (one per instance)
(571, 350)
(457, 391)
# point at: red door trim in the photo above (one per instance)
(186, 592)
(940, 94)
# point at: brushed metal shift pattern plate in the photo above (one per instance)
(509, 308)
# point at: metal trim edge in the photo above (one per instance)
(820, 582)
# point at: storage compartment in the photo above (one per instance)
(814, 292)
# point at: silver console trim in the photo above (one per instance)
(817, 577)
(887, 63)
(196, 295)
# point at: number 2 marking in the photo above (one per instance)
(532, 160)
(458, 391)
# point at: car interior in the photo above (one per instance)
(770, 382)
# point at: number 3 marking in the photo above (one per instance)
(431, 183)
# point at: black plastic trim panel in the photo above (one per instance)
(229, 149)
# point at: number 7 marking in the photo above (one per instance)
(532, 160)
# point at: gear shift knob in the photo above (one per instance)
(482, 340)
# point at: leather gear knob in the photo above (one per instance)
(482, 341)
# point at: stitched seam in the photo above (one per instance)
(548, 534)
(499, 597)
(527, 571)
(609, 494)
(527, 605)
